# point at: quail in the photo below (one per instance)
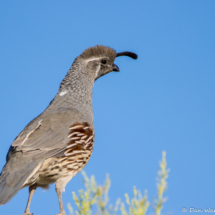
(58, 143)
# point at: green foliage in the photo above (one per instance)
(97, 196)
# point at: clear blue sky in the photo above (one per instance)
(163, 101)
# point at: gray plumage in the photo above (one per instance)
(58, 143)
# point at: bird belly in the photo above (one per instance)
(60, 167)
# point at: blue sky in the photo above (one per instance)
(163, 101)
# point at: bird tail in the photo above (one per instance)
(13, 176)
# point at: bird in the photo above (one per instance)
(58, 143)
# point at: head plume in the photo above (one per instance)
(129, 54)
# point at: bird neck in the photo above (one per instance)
(75, 91)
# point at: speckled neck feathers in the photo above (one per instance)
(75, 90)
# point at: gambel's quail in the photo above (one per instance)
(58, 143)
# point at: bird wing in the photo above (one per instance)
(46, 136)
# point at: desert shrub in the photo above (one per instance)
(94, 199)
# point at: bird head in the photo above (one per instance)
(99, 60)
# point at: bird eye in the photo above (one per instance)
(103, 61)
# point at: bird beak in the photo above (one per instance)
(115, 68)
